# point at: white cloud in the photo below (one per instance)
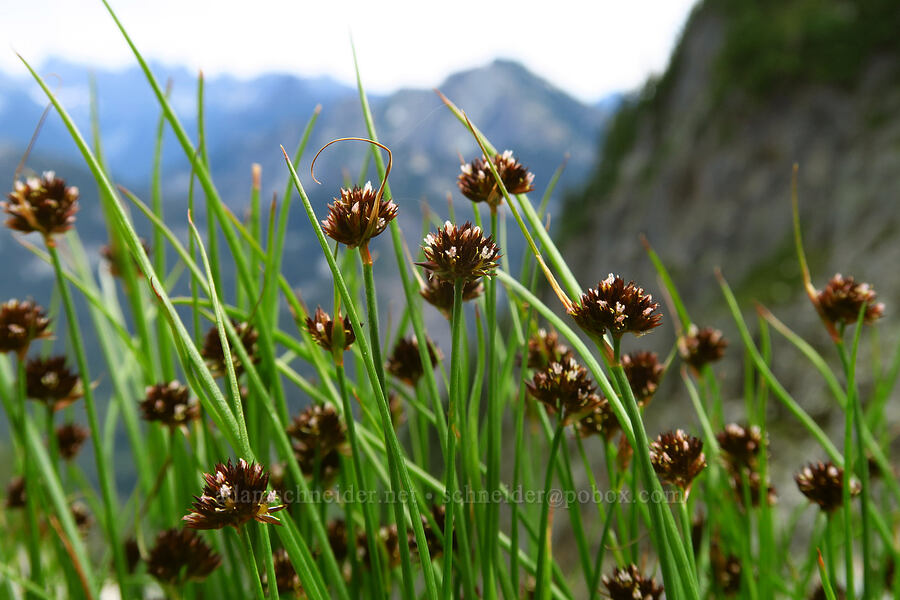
(590, 48)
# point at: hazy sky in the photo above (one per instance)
(588, 47)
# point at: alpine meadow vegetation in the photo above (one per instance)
(516, 463)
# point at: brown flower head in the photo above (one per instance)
(69, 439)
(112, 257)
(439, 292)
(233, 495)
(170, 404)
(50, 381)
(321, 326)
(82, 517)
(630, 584)
(395, 405)
(132, 554)
(405, 364)
(701, 346)
(318, 436)
(286, 579)
(755, 489)
(45, 205)
(15, 493)
(477, 183)
(677, 458)
(726, 570)
(600, 421)
(21, 322)
(842, 299)
(616, 307)
(358, 215)
(435, 535)
(389, 536)
(544, 348)
(214, 355)
(740, 446)
(565, 389)
(180, 555)
(643, 371)
(460, 252)
(337, 539)
(823, 483)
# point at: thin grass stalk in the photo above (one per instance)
(542, 585)
(104, 469)
(358, 474)
(249, 560)
(826, 579)
(401, 481)
(163, 338)
(494, 432)
(32, 532)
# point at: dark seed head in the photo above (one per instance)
(132, 554)
(337, 539)
(15, 493)
(233, 495)
(45, 205)
(740, 446)
(21, 322)
(180, 555)
(214, 355)
(69, 439)
(755, 489)
(726, 570)
(677, 458)
(286, 579)
(630, 584)
(113, 256)
(600, 421)
(321, 328)
(170, 404)
(643, 371)
(823, 483)
(701, 346)
(358, 215)
(439, 292)
(616, 307)
(477, 183)
(460, 252)
(318, 436)
(82, 517)
(544, 348)
(565, 389)
(50, 381)
(843, 298)
(405, 363)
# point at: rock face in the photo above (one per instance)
(701, 161)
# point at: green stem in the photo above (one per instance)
(250, 561)
(104, 469)
(686, 527)
(31, 478)
(542, 587)
(490, 550)
(371, 529)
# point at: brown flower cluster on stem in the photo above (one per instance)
(677, 458)
(69, 439)
(233, 495)
(286, 579)
(477, 183)
(439, 292)
(321, 328)
(319, 437)
(214, 354)
(823, 483)
(405, 364)
(110, 254)
(726, 570)
(170, 404)
(630, 584)
(544, 348)
(740, 450)
(45, 205)
(82, 517)
(50, 381)
(644, 372)
(843, 298)
(358, 215)
(565, 389)
(21, 322)
(616, 307)
(701, 346)
(15, 493)
(601, 420)
(180, 555)
(460, 252)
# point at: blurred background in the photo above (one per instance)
(680, 121)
